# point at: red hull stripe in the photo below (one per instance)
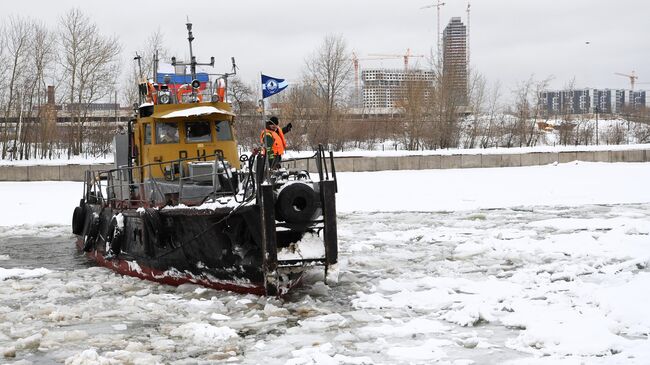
(125, 267)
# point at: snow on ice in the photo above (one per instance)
(535, 265)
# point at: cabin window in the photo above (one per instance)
(197, 132)
(147, 133)
(224, 133)
(167, 132)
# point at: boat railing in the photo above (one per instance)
(121, 187)
(324, 163)
(124, 187)
(327, 187)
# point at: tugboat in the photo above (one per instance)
(181, 206)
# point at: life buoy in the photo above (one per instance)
(186, 89)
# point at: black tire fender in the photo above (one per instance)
(296, 203)
(78, 220)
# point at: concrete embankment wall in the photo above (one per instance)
(358, 164)
(47, 172)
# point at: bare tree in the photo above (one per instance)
(41, 55)
(298, 107)
(90, 63)
(18, 35)
(477, 90)
(245, 106)
(154, 45)
(567, 112)
(443, 112)
(328, 72)
(414, 105)
(641, 129)
(489, 132)
(527, 111)
(615, 133)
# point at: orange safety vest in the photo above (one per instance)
(279, 143)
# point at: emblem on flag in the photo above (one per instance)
(272, 86)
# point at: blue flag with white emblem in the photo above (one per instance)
(272, 86)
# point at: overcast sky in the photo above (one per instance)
(510, 39)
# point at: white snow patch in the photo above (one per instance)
(309, 247)
(219, 317)
(134, 266)
(404, 329)
(22, 273)
(324, 321)
(197, 110)
(120, 221)
(203, 333)
(89, 357)
(429, 350)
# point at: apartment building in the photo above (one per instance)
(589, 101)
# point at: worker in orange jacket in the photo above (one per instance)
(272, 138)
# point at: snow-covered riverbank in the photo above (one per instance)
(568, 184)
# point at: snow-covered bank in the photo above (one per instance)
(476, 151)
(568, 184)
(386, 152)
(75, 160)
(38, 202)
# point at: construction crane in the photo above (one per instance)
(405, 56)
(633, 77)
(437, 5)
(468, 47)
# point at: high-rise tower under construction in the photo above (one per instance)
(454, 59)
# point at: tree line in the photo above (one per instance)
(81, 63)
(84, 66)
(430, 114)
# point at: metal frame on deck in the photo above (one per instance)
(327, 191)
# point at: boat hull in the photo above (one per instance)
(211, 248)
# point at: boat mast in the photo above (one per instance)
(155, 67)
(139, 58)
(195, 83)
(190, 38)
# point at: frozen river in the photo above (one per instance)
(537, 284)
(544, 265)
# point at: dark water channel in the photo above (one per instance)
(54, 251)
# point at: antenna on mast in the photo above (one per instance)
(195, 83)
(155, 66)
(138, 58)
